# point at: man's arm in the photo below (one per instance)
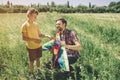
(77, 45)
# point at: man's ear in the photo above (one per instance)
(64, 25)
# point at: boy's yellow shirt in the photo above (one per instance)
(32, 31)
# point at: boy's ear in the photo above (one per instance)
(28, 15)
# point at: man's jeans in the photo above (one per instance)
(72, 59)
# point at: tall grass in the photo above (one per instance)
(99, 36)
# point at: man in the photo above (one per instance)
(32, 35)
(69, 40)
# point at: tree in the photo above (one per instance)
(8, 4)
(38, 5)
(90, 5)
(53, 4)
(48, 4)
(68, 5)
(11, 4)
(93, 6)
(112, 4)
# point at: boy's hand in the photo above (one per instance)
(37, 41)
(50, 37)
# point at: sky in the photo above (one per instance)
(57, 2)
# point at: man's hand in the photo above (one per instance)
(62, 43)
(51, 50)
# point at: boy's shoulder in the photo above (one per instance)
(24, 24)
(35, 23)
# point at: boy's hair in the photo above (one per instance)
(63, 21)
(31, 11)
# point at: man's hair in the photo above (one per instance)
(31, 11)
(63, 21)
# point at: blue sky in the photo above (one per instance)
(57, 2)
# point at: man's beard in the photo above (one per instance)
(59, 29)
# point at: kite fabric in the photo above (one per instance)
(59, 52)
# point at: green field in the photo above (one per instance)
(99, 35)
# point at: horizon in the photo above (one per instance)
(73, 3)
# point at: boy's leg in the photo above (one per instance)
(31, 66)
(38, 55)
(31, 55)
(38, 63)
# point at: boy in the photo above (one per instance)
(31, 34)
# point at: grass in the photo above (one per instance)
(98, 34)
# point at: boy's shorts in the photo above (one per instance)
(34, 53)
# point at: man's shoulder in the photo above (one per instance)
(70, 32)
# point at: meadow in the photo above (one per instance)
(99, 35)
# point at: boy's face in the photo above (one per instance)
(32, 17)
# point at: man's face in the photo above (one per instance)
(60, 26)
(33, 17)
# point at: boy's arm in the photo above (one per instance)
(45, 36)
(26, 38)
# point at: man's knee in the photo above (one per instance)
(72, 59)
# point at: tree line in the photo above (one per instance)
(113, 7)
